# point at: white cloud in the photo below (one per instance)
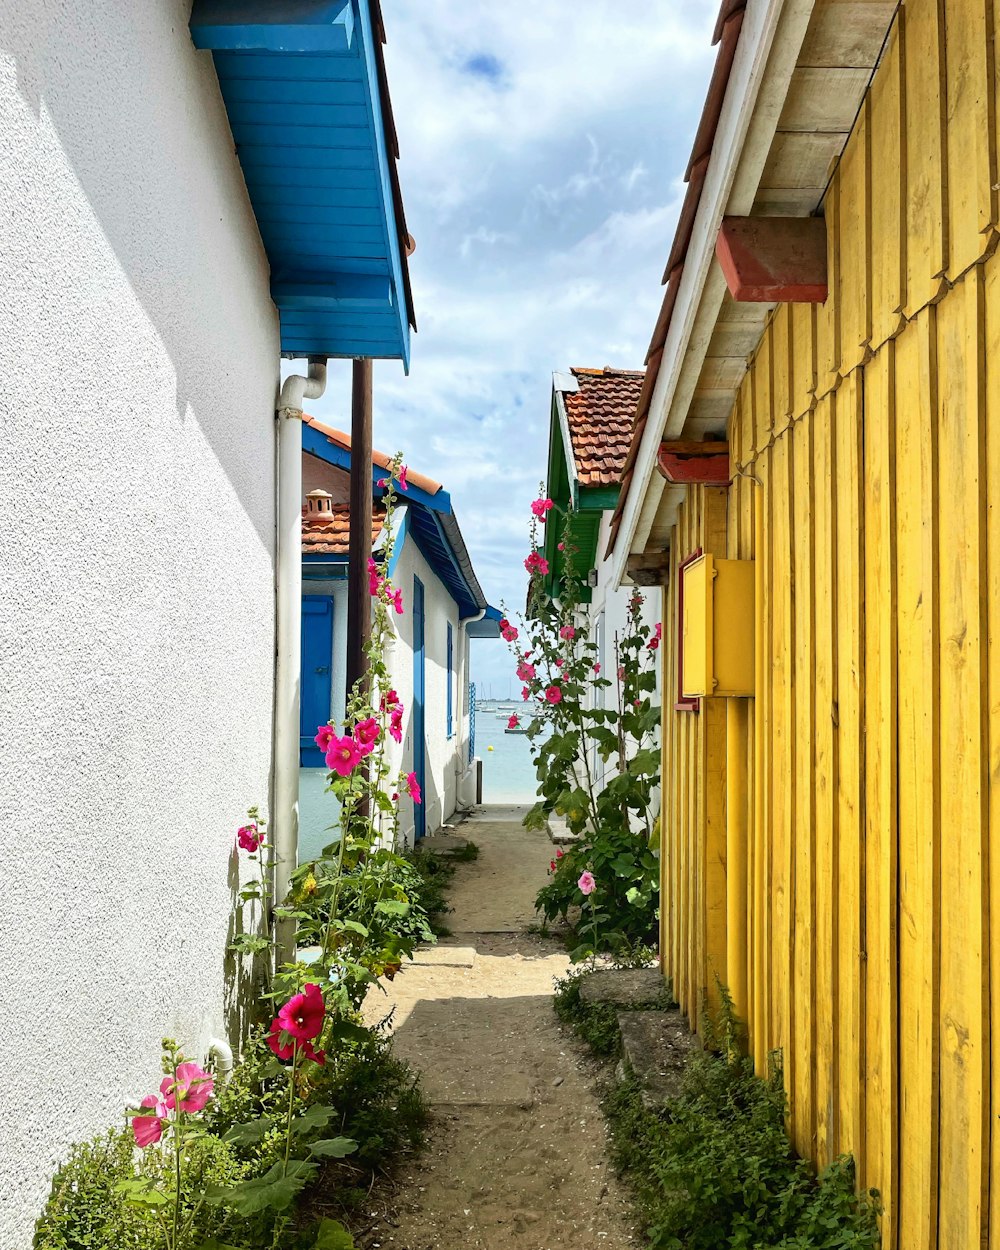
(542, 149)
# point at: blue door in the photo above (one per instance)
(317, 679)
(419, 696)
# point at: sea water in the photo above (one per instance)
(508, 772)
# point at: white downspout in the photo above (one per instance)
(288, 595)
(463, 764)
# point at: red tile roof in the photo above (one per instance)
(341, 439)
(600, 417)
(326, 529)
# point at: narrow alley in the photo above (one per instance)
(517, 1155)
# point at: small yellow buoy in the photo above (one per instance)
(489, 748)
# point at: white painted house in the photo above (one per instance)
(151, 280)
(589, 434)
(444, 607)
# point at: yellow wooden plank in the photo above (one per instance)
(880, 1159)
(849, 1024)
(855, 242)
(961, 553)
(803, 826)
(926, 195)
(824, 780)
(782, 758)
(759, 772)
(760, 380)
(888, 246)
(666, 783)
(991, 341)
(970, 143)
(781, 368)
(828, 314)
(803, 333)
(713, 794)
(919, 824)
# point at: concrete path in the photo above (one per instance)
(517, 1157)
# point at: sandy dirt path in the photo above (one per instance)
(517, 1157)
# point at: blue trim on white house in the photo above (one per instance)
(399, 540)
(301, 85)
(318, 444)
(488, 627)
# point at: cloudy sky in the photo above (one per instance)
(542, 149)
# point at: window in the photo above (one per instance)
(451, 681)
(683, 703)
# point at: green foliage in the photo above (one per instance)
(577, 714)
(714, 1169)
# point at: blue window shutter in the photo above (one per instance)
(451, 682)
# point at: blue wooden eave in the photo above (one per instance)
(304, 85)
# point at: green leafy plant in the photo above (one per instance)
(578, 712)
(596, 1022)
(714, 1170)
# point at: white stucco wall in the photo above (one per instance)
(139, 351)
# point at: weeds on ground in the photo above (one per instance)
(714, 1170)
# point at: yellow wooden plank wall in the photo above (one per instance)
(866, 446)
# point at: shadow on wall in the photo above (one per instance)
(149, 143)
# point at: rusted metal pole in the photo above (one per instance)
(359, 621)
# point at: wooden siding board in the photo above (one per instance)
(888, 242)
(828, 314)
(970, 145)
(926, 160)
(964, 933)
(881, 1143)
(779, 332)
(919, 818)
(855, 241)
(803, 338)
(824, 781)
(803, 825)
(849, 741)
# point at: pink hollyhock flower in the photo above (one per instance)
(343, 755)
(621, 672)
(413, 787)
(403, 484)
(525, 693)
(536, 563)
(657, 637)
(389, 700)
(525, 671)
(597, 668)
(324, 736)
(366, 734)
(540, 507)
(382, 483)
(191, 1089)
(553, 695)
(302, 1016)
(397, 602)
(148, 1129)
(567, 632)
(587, 883)
(513, 722)
(509, 634)
(286, 1049)
(561, 547)
(396, 723)
(374, 578)
(559, 854)
(249, 837)
(560, 662)
(552, 866)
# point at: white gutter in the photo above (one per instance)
(288, 595)
(768, 48)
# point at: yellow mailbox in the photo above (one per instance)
(717, 628)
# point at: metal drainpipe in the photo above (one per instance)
(285, 810)
(464, 765)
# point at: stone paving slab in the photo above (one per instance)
(442, 844)
(624, 987)
(656, 1045)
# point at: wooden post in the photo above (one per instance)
(359, 619)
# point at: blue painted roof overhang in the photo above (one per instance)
(431, 522)
(305, 88)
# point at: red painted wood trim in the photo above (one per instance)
(768, 260)
(705, 470)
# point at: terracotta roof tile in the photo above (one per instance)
(341, 439)
(600, 417)
(326, 526)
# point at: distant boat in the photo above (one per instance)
(516, 729)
